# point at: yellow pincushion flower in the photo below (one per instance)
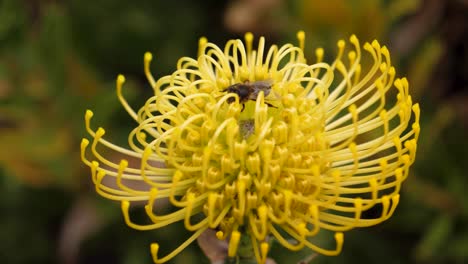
(315, 148)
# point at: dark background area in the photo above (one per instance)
(58, 58)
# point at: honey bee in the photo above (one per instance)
(249, 91)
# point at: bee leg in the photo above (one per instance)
(270, 105)
(243, 107)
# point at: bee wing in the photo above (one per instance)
(258, 86)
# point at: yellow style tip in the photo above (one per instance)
(383, 66)
(125, 205)
(339, 238)
(89, 114)
(301, 38)
(375, 44)
(319, 52)
(249, 37)
(385, 51)
(367, 46)
(397, 83)
(120, 79)
(264, 247)
(241, 186)
(416, 107)
(148, 56)
(404, 80)
(313, 210)
(300, 35)
(201, 45)
(100, 132)
(234, 243)
(336, 174)
(383, 114)
(220, 235)
(190, 197)
(262, 212)
(202, 41)
(154, 248)
(84, 143)
(123, 164)
(341, 43)
(94, 165)
(153, 193)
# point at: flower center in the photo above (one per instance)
(243, 158)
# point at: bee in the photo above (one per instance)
(249, 91)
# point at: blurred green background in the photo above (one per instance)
(58, 58)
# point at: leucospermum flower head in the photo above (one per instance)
(305, 147)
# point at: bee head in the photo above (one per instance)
(241, 90)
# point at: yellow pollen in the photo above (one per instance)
(301, 38)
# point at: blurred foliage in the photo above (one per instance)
(58, 58)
